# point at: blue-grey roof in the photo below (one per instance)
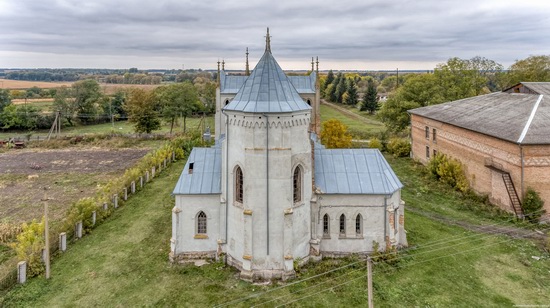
(354, 171)
(231, 84)
(206, 175)
(304, 84)
(267, 90)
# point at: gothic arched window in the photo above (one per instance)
(342, 224)
(309, 102)
(326, 228)
(359, 224)
(201, 223)
(226, 102)
(297, 184)
(239, 185)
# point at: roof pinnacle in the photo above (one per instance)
(247, 72)
(268, 41)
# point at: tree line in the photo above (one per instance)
(85, 103)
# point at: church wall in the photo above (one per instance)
(380, 223)
(185, 238)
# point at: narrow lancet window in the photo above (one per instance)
(297, 184)
(201, 223)
(239, 185)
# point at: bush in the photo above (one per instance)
(532, 205)
(82, 210)
(399, 147)
(374, 143)
(29, 245)
(449, 171)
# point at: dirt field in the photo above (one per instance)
(21, 101)
(69, 174)
(110, 89)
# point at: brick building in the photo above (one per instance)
(502, 138)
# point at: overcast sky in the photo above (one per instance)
(360, 34)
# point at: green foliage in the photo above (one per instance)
(334, 135)
(533, 205)
(82, 210)
(87, 98)
(341, 88)
(533, 68)
(399, 147)
(5, 99)
(142, 110)
(180, 99)
(375, 143)
(351, 97)
(388, 256)
(450, 171)
(370, 101)
(64, 103)
(29, 245)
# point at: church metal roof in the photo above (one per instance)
(231, 84)
(304, 84)
(205, 177)
(267, 90)
(354, 171)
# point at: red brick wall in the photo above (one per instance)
(474, 150)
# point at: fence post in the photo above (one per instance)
(78, 229)
(173, 156)
(125, 193)
(165, 163)
(93, 217)
(133, 187)
(153, 172)
(62, 241)
(22, 272)
(115, 200)
(105, 206)
(146, 176)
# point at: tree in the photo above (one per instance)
(351, 97)
(328, 80)
(370, 101)
(176, 100)
(142, 110)
(117, 104)
(334, 134)
(341, 88)
(533, 205)
(331, 95)
(64, 104)
(533, 68)
(88, 97)
(5, 99)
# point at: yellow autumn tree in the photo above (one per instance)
(334, 135)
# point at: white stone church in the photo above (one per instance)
(269, 194)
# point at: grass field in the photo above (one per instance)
(359, 129)
(22, 84)
(119, 127)
(124, 262)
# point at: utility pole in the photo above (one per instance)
(369, 282)
(47, 234)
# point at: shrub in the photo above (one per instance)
(29, 245)
(374, 143)
(449, 171)
(81, 210)
(532, 205)
(8, 232)
(399, 147)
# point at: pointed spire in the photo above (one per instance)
(223, 65)
(312, 64)
(268, 41)
(247, 72)
(317, 70)
(218, 78)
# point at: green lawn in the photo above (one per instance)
(360, 129)
(124, 262)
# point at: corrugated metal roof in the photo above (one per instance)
(267, 90)
(501, 115)
(231, 84)
(206, 175)
(354, 171)
(304, 84)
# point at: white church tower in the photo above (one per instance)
(268, 159)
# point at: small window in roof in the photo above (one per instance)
(191, 165)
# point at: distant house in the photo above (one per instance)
(502, 138)
(268, 196)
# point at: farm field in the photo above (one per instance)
(359, 126)
(23, 84)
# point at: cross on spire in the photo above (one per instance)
(268, 41)
(223, 64)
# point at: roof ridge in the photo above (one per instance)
(530, 120)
